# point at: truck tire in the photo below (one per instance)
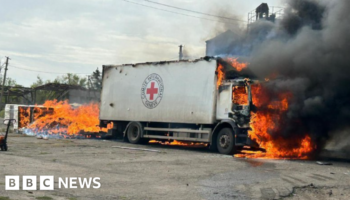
(134, 132)
(225, 141)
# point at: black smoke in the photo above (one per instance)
(309, 52)
(302, 13)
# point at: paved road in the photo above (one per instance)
(169, 173)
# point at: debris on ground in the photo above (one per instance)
(324, 163)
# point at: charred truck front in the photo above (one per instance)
(177, 100)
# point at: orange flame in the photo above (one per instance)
(178, 143)
(220, 75)
(220, 71)
(240, 96)
(267, 121)
(24, 116)
(235, 64)
(60, 117)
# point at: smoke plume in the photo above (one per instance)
(308, 54)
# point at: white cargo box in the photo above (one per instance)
(174, 92)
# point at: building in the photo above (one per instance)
(231, 43)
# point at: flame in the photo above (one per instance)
(266, 125)
(235, 64)
(220, 75)
(61, 118)
(240, 96)
(178, 143)
(24, 116)
(39, 112)
(220, 71)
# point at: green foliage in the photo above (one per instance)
(71, 79)
(44, 198)
(2, 113)
(12, 83)
(96, 80)
(41, 95)
(39, 81)
(9, 82)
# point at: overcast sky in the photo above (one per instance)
(77, 36)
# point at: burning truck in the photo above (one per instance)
(188, 101)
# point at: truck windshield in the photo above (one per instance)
(240, 95)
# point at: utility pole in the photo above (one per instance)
(180, 53)
(4, 81)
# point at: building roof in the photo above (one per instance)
(226, 34)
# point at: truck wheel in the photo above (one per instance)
(225, 141)
(134, 132)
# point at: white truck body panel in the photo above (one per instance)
(224, 103)
(11, 112)
(185, 92)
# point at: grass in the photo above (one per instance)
(72, 198)
(5, 198)
(44, 198)
(2, 113)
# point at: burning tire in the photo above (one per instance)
(225, 141)
(134, 132)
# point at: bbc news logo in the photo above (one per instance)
(48, 183)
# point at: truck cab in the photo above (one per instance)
(234, 103)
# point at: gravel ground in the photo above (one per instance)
(167, 173)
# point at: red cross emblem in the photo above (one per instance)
(152, 91)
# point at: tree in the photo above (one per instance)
(96, 80)
(71, 79)
(39, 81)
(9, 82)
(41, 95)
